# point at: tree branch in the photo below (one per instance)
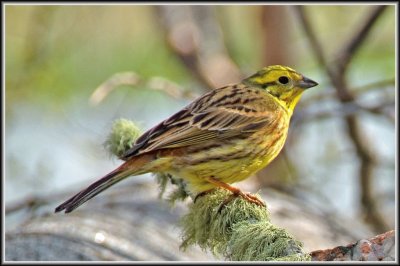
(378, 248)
(336, 75)
(194, 35)
(349, 50)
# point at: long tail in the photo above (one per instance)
(100, 185)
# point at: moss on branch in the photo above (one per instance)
(238, 230)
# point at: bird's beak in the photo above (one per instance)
(306, 83)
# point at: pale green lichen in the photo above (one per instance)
(123, 135)
(209, 224)
(162, 180)
(178, 194)
(261, 241)
(235, 229)
(238, 230)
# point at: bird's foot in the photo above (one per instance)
(236, 192)
(246, 196)
(252, 198)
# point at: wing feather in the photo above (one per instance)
(194, 125)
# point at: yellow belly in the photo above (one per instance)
(251, 156)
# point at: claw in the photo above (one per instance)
(235, 192)
(252, 198)
(246, 196)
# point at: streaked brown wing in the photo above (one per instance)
(198, 124)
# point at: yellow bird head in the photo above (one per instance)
(283, 83)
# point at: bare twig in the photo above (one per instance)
(132, 79)
(348, 109)
(116, 80)
(194, 35)
(337, 78)
(357, 91)
(349, 51)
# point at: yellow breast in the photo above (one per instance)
(231, 161)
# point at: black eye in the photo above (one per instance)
(283, 80)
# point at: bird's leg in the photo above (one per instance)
(236, 192)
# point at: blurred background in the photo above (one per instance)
(72, 70)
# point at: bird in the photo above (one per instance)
(222, 137)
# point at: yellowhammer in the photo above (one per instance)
(221, 138)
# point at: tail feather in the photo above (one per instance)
(94, 189)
